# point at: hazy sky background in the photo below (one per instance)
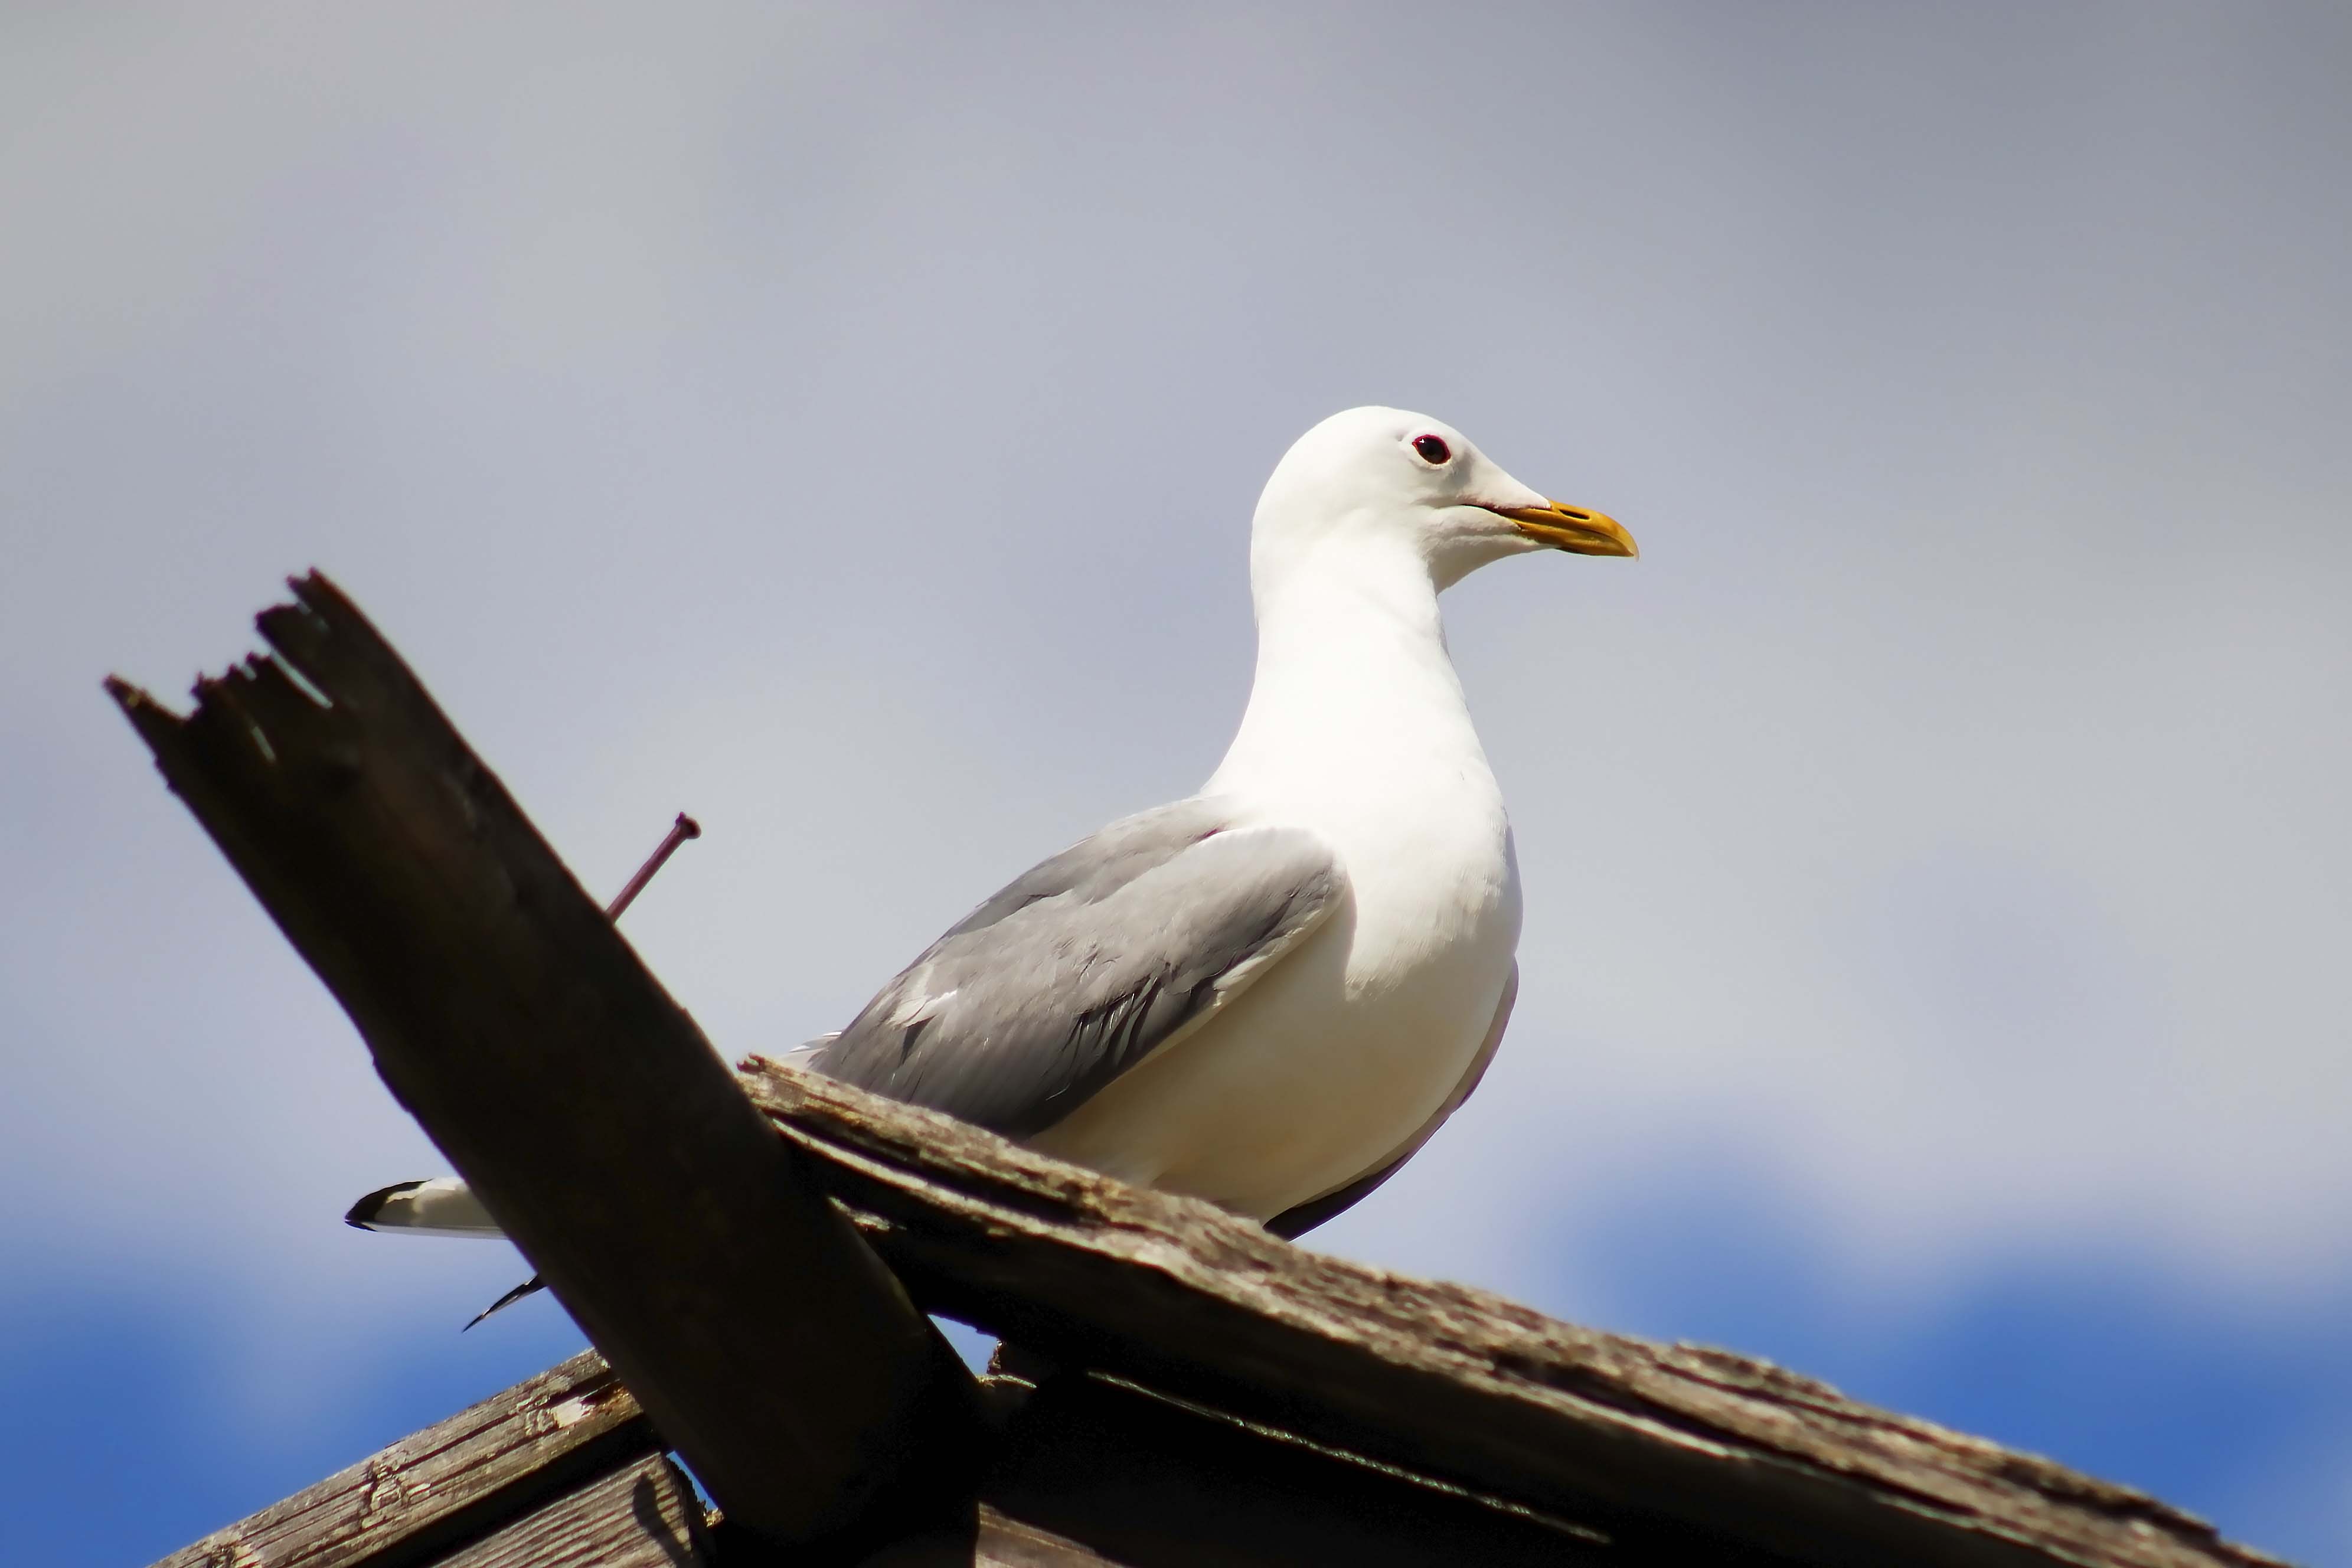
(843, 423)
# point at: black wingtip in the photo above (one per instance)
(508, 1300)
(361, 1214)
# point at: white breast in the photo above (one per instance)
(1320, 1071)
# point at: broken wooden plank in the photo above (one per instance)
(761, 1336)
(1439, 1378)
(643, 1515)
(447, 1483)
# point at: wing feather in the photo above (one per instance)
(1088, 964)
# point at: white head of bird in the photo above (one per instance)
(1381, 487)
(1367, 518)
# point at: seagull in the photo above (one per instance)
(1272, 992)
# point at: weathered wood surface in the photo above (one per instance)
(562, 1468)
(447, 1483)
(643, 1515)
(1004, 1543)
(769, 1344)
(580, 1102)
(1442, 1379)
(988, 1540)
(1149, 1482)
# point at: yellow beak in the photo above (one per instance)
(1571, 529)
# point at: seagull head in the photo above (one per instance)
(1380, 481)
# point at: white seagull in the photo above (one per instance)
(1270, 993)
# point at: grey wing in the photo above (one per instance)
(1301, 1218)
(1078, 969)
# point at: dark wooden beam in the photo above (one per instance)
(1640, 1440)
(764, 1340)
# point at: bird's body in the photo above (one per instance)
(1357, 732)
(1269, 994)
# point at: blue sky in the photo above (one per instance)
(842, 423)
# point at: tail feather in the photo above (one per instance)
(442, 1206)
(527, 1288)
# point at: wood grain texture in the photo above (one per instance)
(643, 1515)
(444, 1484)
(773, 1347)
(1151, 1483)
(1004, 1543)
(762, 1337)
(988, 1540)
(1442, 1379)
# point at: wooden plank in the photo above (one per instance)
(986, 1539)
(643, 1515)
(1006, 1543)
(1438, 1378)
(1091, 1470)
(1152, 1483)
(764, 1340)
(444, 1484)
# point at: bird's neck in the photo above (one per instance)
(1354, 691)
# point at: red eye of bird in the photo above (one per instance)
(1431, 450)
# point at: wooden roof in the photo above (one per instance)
(755, 1267)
